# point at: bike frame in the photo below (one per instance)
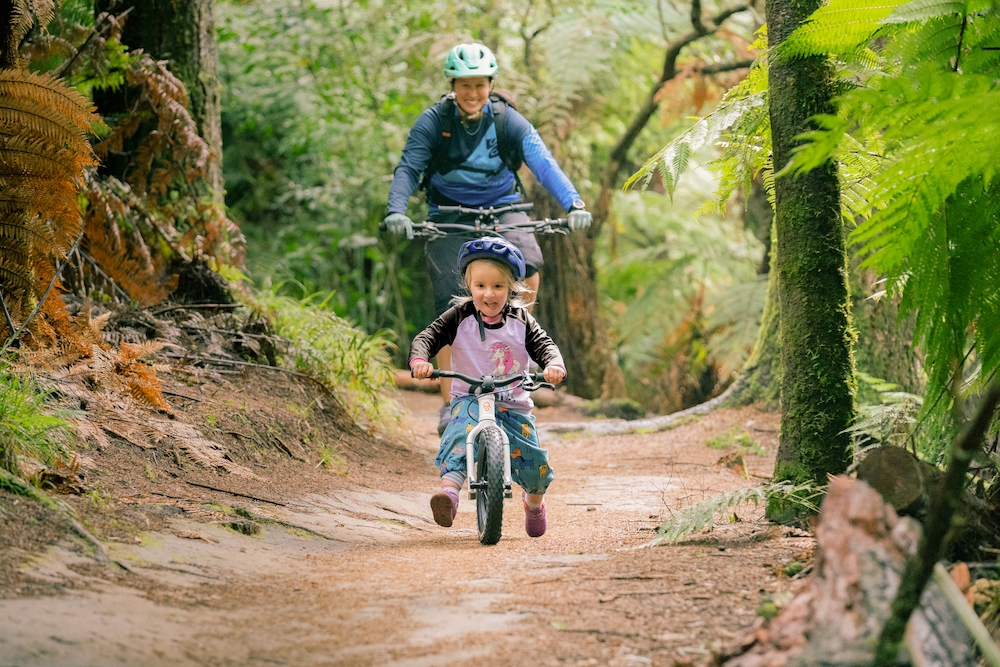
(487, 387)
(487, 419)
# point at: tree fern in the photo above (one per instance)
(921, 139)
(689, 520)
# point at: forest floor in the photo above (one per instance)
(345, 566)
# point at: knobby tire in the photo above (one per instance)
(489, 498)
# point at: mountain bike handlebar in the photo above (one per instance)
(487, 383)
(487, 221)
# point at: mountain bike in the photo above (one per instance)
(487, 221)
(488, 449)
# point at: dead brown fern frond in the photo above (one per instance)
(43, 154)
(123, 371)
(125, 256)
(171, 157)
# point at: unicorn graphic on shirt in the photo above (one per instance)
(506, 364)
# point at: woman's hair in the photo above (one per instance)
(518, 292)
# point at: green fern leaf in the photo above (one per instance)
(921, 10)
(673, 159)
(701, 515)
(841, 27)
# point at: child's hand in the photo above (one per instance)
(554, 374)
(422, 369)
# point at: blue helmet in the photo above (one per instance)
(492, 247)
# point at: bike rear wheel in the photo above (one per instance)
(489, 496)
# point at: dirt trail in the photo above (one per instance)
(359, 574)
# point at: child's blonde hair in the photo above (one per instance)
(519, 294)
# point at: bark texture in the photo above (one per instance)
(9, 58)
(885, 342)
(568, 309)
(817, 393)
(181, 32)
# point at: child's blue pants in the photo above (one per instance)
(529, 463)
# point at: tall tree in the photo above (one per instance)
(817, 393)
(181, 32)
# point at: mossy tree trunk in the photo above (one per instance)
(817, 391)
(183, 33)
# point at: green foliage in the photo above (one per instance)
(739, 127)
(739, 439)
(355, 365)
(27, 429)
(691, 519)
(683, 296)
(919, 130)
(615, 408)
(889, 421)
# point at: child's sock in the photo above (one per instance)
(531, 506)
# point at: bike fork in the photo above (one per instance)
(487, 418)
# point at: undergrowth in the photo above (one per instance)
(356, 366)
(27, 429)
(703, 514)
(738, 438)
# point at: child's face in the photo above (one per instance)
(489, 287)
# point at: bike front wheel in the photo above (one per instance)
(489, 496)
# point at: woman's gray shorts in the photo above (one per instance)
(442, 254)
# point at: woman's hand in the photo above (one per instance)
(554, 374)
(422, 369)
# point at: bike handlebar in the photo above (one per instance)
(433, 230)
(490, 383)
(492, 210)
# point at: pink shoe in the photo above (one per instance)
(444, 505)
(534, 520)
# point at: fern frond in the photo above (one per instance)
(691, 519)
(21, 19)
(921, 10)
(673, 159)
(842, 27)
(44, 11)
(49, 93)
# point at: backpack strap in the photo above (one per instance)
(439, 154)
(510, 154)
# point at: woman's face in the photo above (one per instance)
(489, 286)
(472, 94)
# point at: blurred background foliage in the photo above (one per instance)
(319, 97)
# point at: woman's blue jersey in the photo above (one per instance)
(483, 179)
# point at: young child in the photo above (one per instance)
(491, 333)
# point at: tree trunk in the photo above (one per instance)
(760, 378)
(183, 33)
(817, 393)
(9, 58)
(569, 311)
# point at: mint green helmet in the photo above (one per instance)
(467, 60)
